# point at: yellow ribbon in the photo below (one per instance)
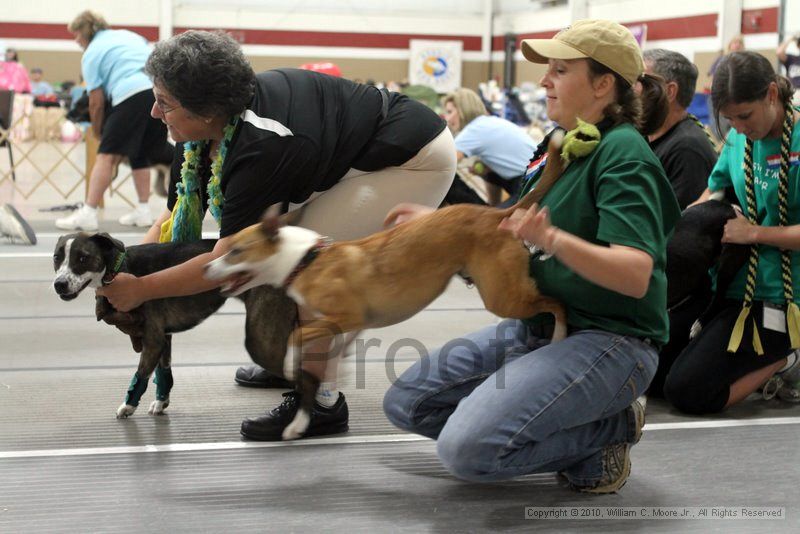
(793, 324)
(738, 333)
(757, 340)
(166, 228)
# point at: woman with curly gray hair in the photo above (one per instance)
(343, 152)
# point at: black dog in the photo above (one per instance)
(82, 260)
(694, 248)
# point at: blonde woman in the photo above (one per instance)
(503, 148)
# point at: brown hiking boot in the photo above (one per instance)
(617, 458)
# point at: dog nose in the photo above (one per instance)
(60, 286)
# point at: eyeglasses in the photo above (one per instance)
(164, 110)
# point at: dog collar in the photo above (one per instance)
(305, 261)
(118, 261)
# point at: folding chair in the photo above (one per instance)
(6, 110)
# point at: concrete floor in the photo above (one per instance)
(67, 465)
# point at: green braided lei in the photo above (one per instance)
(187, 216)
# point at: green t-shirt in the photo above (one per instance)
(617, 194)
(766, 166)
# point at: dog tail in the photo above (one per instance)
(551, 173)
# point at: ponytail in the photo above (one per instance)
(655, 104)
(646, 111)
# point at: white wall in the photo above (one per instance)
(251, 14)
(136, 12)
(792, 17)
(439, 17)
(352, 7)
(643, 10)
(368, 21)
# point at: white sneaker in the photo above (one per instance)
(15, 227)
(81, 219)
(785, 384)
(790, 390)
(138, 217)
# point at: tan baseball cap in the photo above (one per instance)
(608, 43)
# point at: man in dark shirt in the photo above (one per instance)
(688, 156)
(682, 144)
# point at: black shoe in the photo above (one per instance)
(255, 376)
(324, 420)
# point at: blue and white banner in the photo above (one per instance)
(436, 64)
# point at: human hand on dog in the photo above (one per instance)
(123, 292)
(740, 230)
(533, 226)
(405, 212)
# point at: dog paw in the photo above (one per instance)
(297, 427)
(125, 411)
(695, 330)
(158, 407)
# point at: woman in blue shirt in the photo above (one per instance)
(120, 99)
(503, 148)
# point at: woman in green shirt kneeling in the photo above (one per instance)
(748, 342)
(504, 401)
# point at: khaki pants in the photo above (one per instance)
(356, 206)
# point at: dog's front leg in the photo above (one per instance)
(323, 328)
(153, 346)
(307, 384)
(163, 379)
(321, 332)
(298, 350)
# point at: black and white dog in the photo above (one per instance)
(695, 247)
(82, 260)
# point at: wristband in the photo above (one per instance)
(546, 252)
(554, 245)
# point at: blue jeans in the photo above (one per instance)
(503, 403)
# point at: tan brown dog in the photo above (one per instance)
(389, 276)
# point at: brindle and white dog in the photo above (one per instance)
(88, 261)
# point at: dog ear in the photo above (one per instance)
(107, 243)
(109, 247)
(270, 222)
